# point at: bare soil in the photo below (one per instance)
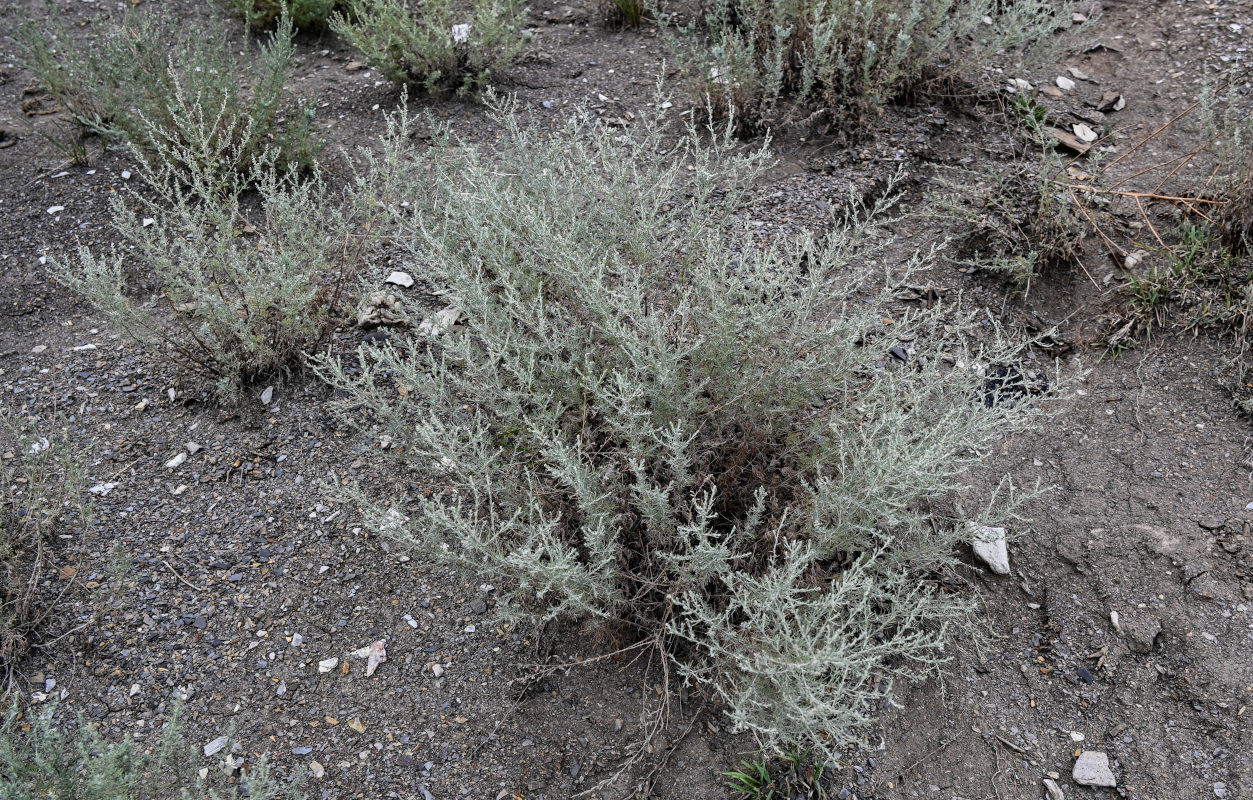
(197, 581)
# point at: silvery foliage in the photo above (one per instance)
(440, 46)
(772, 62)
(155, 84)
(701, 437)
(245, 290)
(43, 754)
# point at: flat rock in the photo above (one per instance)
(1092, 769)
(1054, 791)
(989, 545)
(402, 279)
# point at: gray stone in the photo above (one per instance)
(1054, 791)
(989, 546)
(1092, 769)
(1140, 628)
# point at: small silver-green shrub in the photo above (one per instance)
(440, 46)
(152, 80)
(772, 62)
(42, 481)
(265, 13)
(722, 447)
(39, 761)
(1013, 220)
(247, 286)
(1227, 161)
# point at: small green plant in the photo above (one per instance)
(751, 779)
(722, 449)
(151, 81)
(791, 775)
(247, 290)
(39, 761)
(1203, 285)
(623, 13)
(41, 494)
(440, 46)
(770, 63)
(266, 13)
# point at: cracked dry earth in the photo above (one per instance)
(229, 579)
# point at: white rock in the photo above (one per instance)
(1092, 769)
(193, 447)
(1054, 791)
(378, 654)
(1064, 83)
(437, 669)
(176, 461)
(55, 209)
(126, 175)
(297, 640)
(989, 545)
(1020, 84)
(102, 488)
(402, 279)
(1076, 736)
(1084, 134)
(148, 221)
(461, 33)
(214, 747)
(444, 319)
(267, 395)
(39, 348)
(328, 664)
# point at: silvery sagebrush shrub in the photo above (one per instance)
(721, 447)
(775, 62)
(42, 480)
(265, 13)
(248, 283)
(1227, 163)
(1012, 220)
(38, 760)
(439, 46)
(153, 81)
